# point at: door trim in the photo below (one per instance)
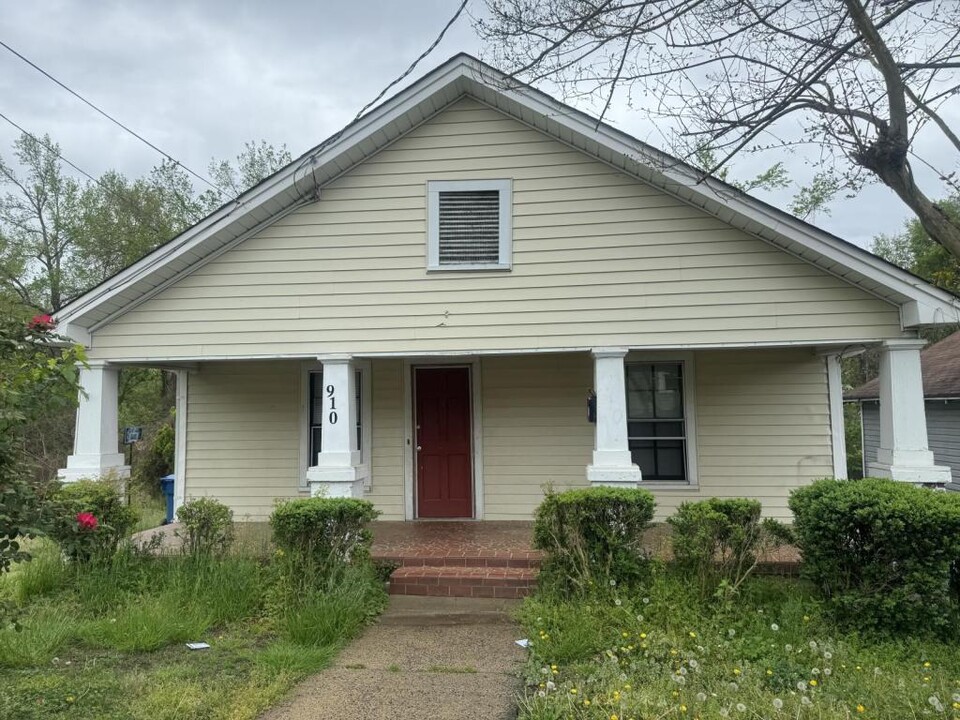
(409, 479)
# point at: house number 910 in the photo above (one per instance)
(332, 417)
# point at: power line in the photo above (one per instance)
(56, 151)
(109, 117)
(423, 55)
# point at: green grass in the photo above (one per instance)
(661, 653)
(109, 641)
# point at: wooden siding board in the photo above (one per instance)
(667, 273)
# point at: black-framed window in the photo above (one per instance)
(316, 412)
(656, 426)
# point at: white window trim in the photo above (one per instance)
(689, 415)
(366, 417)
(434, 188)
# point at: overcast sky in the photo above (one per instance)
(199, 79)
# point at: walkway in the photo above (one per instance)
(432, 658)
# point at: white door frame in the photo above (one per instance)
(409, 474)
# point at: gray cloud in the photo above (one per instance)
(201, 78)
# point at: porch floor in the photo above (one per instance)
(455, 544)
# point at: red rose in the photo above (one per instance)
(41, 323)
(86, 521)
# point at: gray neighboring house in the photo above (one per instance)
(940, 365)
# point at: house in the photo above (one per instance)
(419, 310)
(940, 367)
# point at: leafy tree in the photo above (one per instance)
(257, 162)
(36, 217)
(855, 79)
(37, 377)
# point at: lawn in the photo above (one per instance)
(108, 641)
(660, 652)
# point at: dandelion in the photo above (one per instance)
(828, 655)
(683, 708)
(701, 697)
(692, 634)
(613, 583)
(806, 618)
(813, 683)
(777, 704)
(801, 686)
(71, 698)
(625, 634)
(628, 687)
(614, 717)
(541, 693)
(804, 700)
(618, 602)
(733, 687)
(813, 644)
(736, 671)
(724, 712)
(646, 601)
(586, 703)
(643, 636)
(956, 697)
(828, 672)
(788, 647)
(774, 627)
(860, 708)
(693, 663)
(815, 671)
(551, 685)
(741, 707)
(731, 632)
(573, 691)
(926, 679)
(682, 671)
(926, 664)
(935, 702)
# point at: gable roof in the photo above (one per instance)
(940, 365)
(302, 182)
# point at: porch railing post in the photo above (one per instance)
(335, 473)
(612, 463)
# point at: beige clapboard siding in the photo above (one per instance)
(387, 453)
(243, 434)
(762, 429)
(535, 429)
(599, 259)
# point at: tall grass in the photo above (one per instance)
(44, 574)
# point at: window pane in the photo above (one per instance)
(358, 381)
(669, 390)
(316, 397)
(640, 391)
(669, 429)
(638, 429)
(670, 463)
(642, 453)
(315, 434)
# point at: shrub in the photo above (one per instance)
(207, 527)
(880, 552)
(326, 532)
(719, 541)
(592, 536)
(90, 519)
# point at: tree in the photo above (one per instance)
(856, 79)
(36, 216)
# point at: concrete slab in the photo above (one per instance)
(427, 657)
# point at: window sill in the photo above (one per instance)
(431, 269)
(677, 485)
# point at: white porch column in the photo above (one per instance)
(612, 464)
(95, 447)
(837, 427)
(904, 453)
(336, 471)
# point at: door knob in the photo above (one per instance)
(419, 448)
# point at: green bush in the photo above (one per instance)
(326, 532)
(880, 552)
(719, 541)
(592, 537)
(207, 527)
(113, 519)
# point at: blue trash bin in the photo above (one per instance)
(166, 485)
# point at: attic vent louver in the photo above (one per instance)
(469, 226)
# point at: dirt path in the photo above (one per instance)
(426, 658)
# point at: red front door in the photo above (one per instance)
(444, 443)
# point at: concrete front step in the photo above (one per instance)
(455, 581)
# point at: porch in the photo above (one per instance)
(481, 437)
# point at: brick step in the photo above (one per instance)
(466, 559)
(447, 581)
